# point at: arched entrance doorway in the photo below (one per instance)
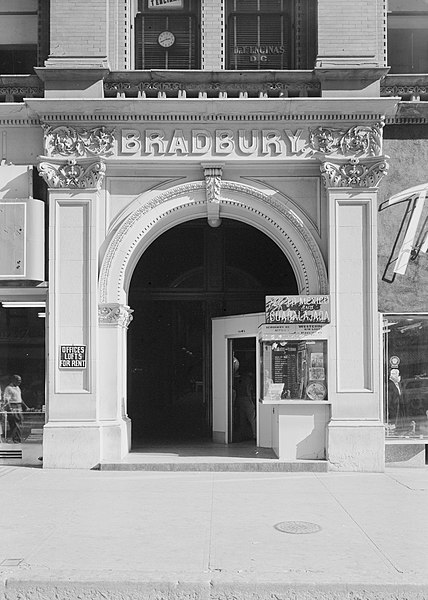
(187, 276)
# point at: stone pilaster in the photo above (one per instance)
(352, 166)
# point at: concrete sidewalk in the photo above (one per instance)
(213, 535)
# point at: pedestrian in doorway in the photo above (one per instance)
(246, 401)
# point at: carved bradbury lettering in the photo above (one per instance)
(220, 142)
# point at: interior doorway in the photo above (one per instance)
(187, 276)
(242, 400)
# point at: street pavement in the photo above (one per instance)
(68, 534)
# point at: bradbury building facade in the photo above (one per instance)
(214, 210)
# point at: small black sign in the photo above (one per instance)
(72, 357)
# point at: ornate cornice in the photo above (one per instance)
(115, 314)
(358, 141)
(71, 141)
(354, 173)
(71, 174)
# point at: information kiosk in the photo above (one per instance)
(294, 375)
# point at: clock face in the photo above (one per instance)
(166, 39)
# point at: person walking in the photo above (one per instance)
(14, 406)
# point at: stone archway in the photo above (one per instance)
(189, 201)
(154, 215)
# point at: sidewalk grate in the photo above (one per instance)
(9, 453)
(297, 527)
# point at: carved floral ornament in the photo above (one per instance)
(70, 141)
(72, 174)
(360, 140)
(115, 314)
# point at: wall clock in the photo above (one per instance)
(166, 39)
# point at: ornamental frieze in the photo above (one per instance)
(115, 314)
(208, 142)
(70, 141)
(234, 89)
(72, 174)
(354, 173)
(358, 141)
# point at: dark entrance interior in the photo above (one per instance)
(187, 276)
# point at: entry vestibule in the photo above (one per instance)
(89, 409)
(189, 275)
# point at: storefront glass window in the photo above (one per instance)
(406, 375)
(22, 382)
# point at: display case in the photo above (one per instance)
(294, 370)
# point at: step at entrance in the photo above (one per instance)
(272, 466)
(208, 456)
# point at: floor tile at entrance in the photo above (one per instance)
(205, 456)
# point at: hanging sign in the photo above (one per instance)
(72, 357)
(159, 4)
(298, 309)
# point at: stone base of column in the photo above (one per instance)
(115, 440)
(83, 445)
(356, 446)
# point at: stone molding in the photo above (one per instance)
(115, 314)
(72, 174)
(69, 141)
(354, 173)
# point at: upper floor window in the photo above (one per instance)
(24, 35)
(167, 34)
(271, 34)
(407, 36)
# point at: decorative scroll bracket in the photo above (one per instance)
(115, 314)
(213, 175)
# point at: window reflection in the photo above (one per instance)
(22, 376)
(406, 376)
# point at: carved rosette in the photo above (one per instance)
(353, 173)
(70, 141)
(115, 314)
(358, 141)
(73, 174)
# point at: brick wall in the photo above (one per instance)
(212, 27)
(78, 28)
(351, 30)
